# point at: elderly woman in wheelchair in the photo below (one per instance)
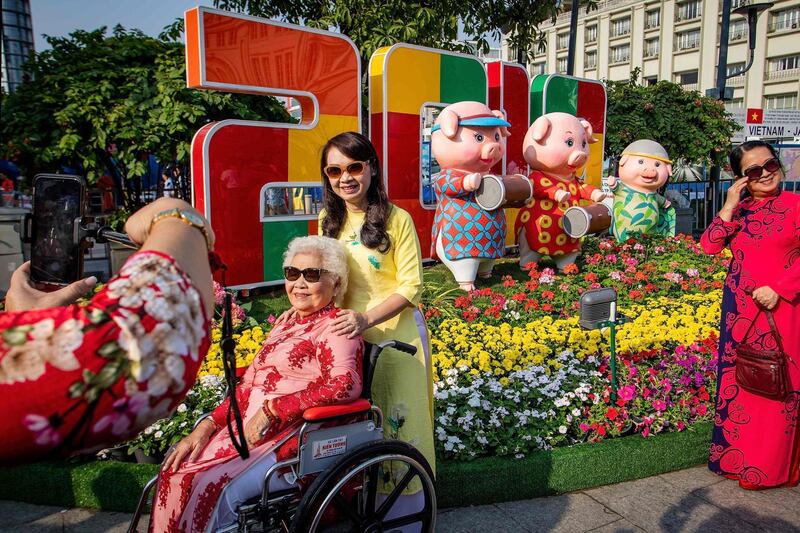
(317, 459)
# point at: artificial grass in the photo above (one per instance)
(116, 486)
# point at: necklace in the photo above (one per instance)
(355, 234)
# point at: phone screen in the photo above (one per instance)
(55, 255)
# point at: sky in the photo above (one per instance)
(61, 17)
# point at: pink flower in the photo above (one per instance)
(702, 409)
(584, 427)
(611, 258)
(605, 245)
(692, 272)
(659, 405)
(46, 433)
(667, 384)
(272, 319)
(615, 275)
(628, 392)
(646, 431)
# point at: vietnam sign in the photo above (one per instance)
(766, 123)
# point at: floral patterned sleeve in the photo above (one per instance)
(81, 377)
(718, 234)
(339, 361)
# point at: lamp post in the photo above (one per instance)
(573, 30)
(720, 92)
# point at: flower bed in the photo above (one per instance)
(515, 373)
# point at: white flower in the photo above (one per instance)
(182, 408)
(159, 434)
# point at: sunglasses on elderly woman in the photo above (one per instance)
(756, 171)
(355, 168)
(311, 275)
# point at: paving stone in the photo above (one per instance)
(620, 526)
(76, 521)
(565, 513)
(655, 505)
(772, 510)
(692, 478)
(18, 513)
(483, 518)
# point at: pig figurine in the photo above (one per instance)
(643, 169)
(467, 140)
(555, 146)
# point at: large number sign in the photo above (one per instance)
(241, 169)
(258, 182)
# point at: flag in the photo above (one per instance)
(755, 115)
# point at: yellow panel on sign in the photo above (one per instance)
(594, 167)
(304, 148)
(412, 78)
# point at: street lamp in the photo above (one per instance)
(752, 11)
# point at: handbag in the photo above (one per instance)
(761, 371)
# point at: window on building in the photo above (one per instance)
(562, 41)
(591, 34)
(738, 3)
(620, 26)
(781, 101)
(785, 62)
(561, 65)
(591, 59)
(785, 19)
(652, 47)
(538, 68)
(620, 53)
(738, 30)
(689, 10)
(687, 40)
(650, 80)
(734, 68)
(687, 78)
(734, 103)
(652, 18)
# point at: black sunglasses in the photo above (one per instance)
(756, 171)
(311, 275)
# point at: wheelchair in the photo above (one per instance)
(341, 460)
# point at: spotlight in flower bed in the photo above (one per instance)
(598, 308)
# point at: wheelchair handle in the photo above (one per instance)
(398, 345)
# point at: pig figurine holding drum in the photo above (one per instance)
(467, 140)
(643, 169)
(555, 146)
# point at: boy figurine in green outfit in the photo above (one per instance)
(643, 169)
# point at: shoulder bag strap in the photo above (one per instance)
(774, 328)
(753, 323)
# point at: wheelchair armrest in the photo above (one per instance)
(327, 412)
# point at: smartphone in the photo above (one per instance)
(59, 204)
(745, 194)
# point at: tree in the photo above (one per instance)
(692, 128)
(372, 24)
(91, 90)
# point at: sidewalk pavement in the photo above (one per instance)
(693, 500)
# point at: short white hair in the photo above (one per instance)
(331, 251)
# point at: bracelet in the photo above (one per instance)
(272, 419)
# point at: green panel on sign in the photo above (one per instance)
(561, 94)
(537, 96)
(462, 78)
(276, 239)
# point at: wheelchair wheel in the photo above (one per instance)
(345, 498)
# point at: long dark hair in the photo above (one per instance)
(373, 231)
(735, 156)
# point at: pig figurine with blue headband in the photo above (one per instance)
(467, 140)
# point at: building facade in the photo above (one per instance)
(17, 41)
(678, 40)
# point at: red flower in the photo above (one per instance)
(532, 285)
(591, 277)
(633, 295)
(572, 268)
(508, 281)
(612, 413)
(531, 304)
(519, 297)
(548, 295)
(601, 430)
(547, 307)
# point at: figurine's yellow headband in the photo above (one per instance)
(651, 156)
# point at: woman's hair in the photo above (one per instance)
(331, 253)
(373, 231)
(738, 152)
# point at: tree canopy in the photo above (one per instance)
(372, 24)
(92, 89)
(690, 126)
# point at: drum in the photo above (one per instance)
(497, 192)
(580, 221)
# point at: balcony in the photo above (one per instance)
(683, 47)
(622, 32)
(689, 87)
(602, 5)
(619, 60)
(736, 81)
(651, 51)
(791, 74)
(652, 24)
